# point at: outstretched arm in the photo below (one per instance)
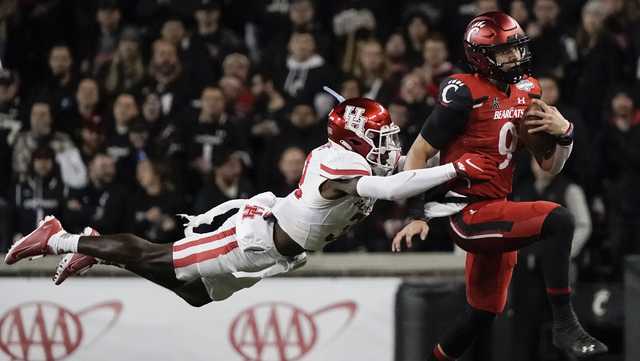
(412, 182)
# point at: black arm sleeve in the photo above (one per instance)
(450, 115)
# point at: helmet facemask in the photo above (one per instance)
(385, 148)
(521, 67)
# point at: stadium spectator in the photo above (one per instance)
(125, 110)
(166, 78)
(85, 109)
(9, 124)
(61, 82)
(102, 46)
(413, 92)
(39, 191)
(290, 165)
(519, 11)
(409, 127)
(92, 141)
(125, 71)
(352, 27)
(152, 208)
(350, 87)
(101, 204)
(417, 28)
(208, 131)
(301, 18)
(436, 66)
(598, 66)
(395, 50)
(164, 133)
(302, 129)
(621, 171)
(140, 148)
(267, 106)
(371, 71)
(225, 182)
(212, 40)
(549, 40)
(305, 72)
(41, 133)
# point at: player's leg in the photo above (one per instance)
(147, 259)
(502, 226)
(487, 278)
(461, 335)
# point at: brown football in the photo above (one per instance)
(541, 144)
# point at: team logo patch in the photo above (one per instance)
(454, 84)
(495, 104)
(524, 85)
(354, 119)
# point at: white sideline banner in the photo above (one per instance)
(122, 319)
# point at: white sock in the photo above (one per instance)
(63, 242)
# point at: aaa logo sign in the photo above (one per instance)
(45, 331)
(279, 331)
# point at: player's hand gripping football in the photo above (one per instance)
(475, 167)
(550, 120)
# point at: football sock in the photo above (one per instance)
(464, 331)
(557, 234)
(63, 242)
(439, 355)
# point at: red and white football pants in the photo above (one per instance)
(244, 243)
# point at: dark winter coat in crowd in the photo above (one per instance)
(36, 197)
(103, 208)
(168, 203)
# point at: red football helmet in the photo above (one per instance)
(364, 126)
(493, 32)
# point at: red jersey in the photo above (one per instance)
(474, 116)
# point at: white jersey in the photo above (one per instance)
(310, 219)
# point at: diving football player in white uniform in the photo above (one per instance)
(268, 235)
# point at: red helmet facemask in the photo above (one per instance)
(364, 126)
(491, 33)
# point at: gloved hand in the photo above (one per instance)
(475, 167)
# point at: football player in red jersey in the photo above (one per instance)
(478, 113)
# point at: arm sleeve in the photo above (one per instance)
(404, 184)
(560, 157)
(450, 115)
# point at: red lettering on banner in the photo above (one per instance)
(45, 331)
(278, 331)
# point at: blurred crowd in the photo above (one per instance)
(120, 114)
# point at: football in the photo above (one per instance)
(541, 144)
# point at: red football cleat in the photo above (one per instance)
(75, 263)
(34, 245)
